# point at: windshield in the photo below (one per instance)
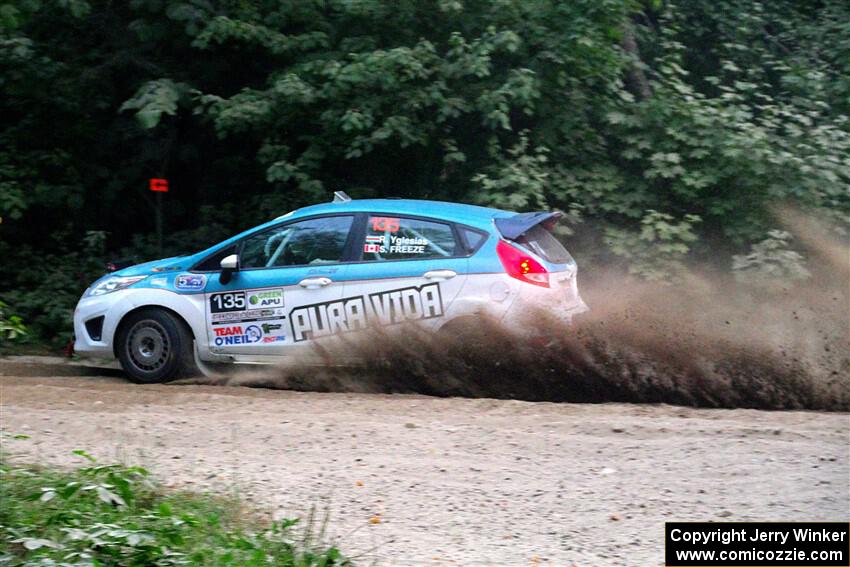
(544, 244)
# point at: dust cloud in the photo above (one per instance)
(708, 341)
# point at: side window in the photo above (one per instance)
(308, 242)
(473, 238)
(213, 263)
(399, 238)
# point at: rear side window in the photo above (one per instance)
(473, 238)
(544, 244)
(399, 238)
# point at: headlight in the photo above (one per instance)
(113, 284)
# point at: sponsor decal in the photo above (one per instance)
(352, 313)
(227, 302)
(246, 306)
(384, 224)
(268, 328)
(265, 298)
(274, 339)
(237, 335)
(247, 316)
(226, 331)
(190, 282)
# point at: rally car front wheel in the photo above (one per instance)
(155, 346)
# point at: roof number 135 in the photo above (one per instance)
(385, 224)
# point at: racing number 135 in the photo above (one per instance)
(220, 302)
(381, 224)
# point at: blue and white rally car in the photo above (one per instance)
(322, 271)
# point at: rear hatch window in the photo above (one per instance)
(534, 232)
(543, 243)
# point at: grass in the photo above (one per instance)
(112, 515)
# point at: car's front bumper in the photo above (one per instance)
(95, 322)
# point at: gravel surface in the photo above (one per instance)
(411, 480)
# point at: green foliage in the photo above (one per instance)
(49, 289)
(373, 86)
(771, 261)
(11, 326)
(154, 99)
(518, 180)
(112, 515)
(658, 250)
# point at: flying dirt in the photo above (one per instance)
(706, 341)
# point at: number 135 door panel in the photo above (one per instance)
(282, 269)
(250, 316)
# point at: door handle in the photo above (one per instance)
(314, 283)
(439, 275)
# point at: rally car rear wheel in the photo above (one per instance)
(154, 346)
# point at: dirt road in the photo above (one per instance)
(453, 481)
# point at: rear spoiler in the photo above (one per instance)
(517, 225)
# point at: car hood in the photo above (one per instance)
(156, 266)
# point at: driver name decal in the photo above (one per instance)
(398, 245)
(352, 313)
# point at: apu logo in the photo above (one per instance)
(266, 298)
(350, 314)
(237, 336)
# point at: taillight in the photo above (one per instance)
(520, 265)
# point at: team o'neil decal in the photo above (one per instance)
(237, 335)
(352, 313)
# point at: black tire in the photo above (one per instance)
(154, 346)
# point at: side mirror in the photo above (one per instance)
(229, 264)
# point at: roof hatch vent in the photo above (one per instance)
(341, 197)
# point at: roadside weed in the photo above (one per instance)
(115, 516)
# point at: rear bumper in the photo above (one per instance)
(567, 313)
(523, 313)
(561, 300)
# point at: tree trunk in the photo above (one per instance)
(636, 77)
